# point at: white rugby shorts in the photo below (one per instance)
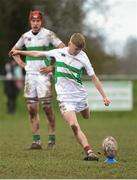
(37, 86)
(73, 106)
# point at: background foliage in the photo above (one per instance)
(65, 17)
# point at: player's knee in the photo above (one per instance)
(32, 111)
(48, 109)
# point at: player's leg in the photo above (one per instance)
(50, 122)
(33, 107)
(71, 119)
(45, 95)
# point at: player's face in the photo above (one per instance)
(73, 49)
(35, 24)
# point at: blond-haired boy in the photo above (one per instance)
(71, 94)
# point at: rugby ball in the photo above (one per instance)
(109, 146)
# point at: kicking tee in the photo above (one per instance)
(68, 71)
(43, 40)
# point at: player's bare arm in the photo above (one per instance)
(98, 85)
(11, 51)
(28, 53)
(19, 61)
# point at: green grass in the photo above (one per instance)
(65, 162)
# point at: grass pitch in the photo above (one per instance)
(66, 161)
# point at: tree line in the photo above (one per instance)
(64, 17)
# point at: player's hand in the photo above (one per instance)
(46, 70)
(106, 101)
(14, 52)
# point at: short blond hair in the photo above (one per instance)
(78, 39)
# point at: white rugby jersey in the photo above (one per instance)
(68, 71)
(44, 40)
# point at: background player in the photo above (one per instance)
(38, 86)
